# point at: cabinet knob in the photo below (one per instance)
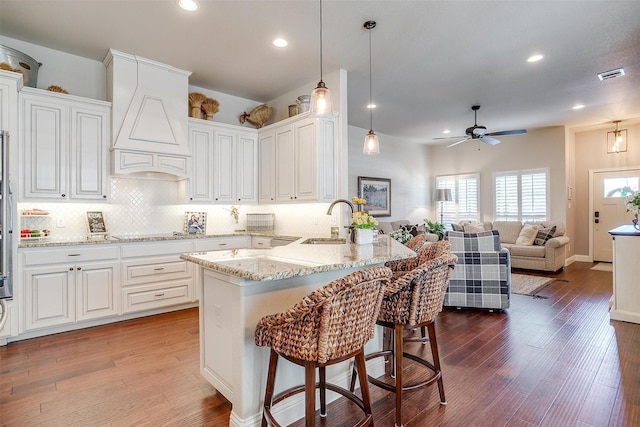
(64, 195)
(70, 268)
(104, 196)
(79, 268)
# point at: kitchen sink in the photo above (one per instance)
(325, 241)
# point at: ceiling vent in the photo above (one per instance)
(618, 72)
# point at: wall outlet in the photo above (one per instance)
(60, 223)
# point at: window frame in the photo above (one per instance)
(517, 211)
(451, 210)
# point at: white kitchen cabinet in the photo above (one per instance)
(201, 145)
(68, 285)
(304, 162)
(154, 276)
(65, 141)
(224, 163)
(267, 167)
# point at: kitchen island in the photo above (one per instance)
(238, 287)
(626, 270)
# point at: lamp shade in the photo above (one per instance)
(442, 195)
(371, 144)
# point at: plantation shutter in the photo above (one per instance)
(521, 195)
(465, 197)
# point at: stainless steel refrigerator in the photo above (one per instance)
(6, 230)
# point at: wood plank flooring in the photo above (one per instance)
(557, 360)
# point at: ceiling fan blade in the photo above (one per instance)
(458, 142)
(450, 137)
(489, 140)
(508, 132)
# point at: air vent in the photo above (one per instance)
(611, 74)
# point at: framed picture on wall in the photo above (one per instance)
(377, 193)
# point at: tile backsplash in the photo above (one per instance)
(152, 206)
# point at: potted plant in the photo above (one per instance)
(363, 225)
(434, 228)
(632, 204)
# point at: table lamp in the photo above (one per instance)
(442, 195)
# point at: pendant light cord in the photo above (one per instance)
(320, 40)
(370, 85)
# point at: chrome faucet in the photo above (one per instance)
(339, 201)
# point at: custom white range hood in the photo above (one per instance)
(149, 115)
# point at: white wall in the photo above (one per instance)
(77, 75)
(405, 163)
(539, 148)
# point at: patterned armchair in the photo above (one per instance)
(482, 277)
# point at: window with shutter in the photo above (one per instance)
(521, 195)
(465, 197)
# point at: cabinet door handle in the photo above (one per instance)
(222, 244)
(73, 255)
(158, 295)
(159, 269)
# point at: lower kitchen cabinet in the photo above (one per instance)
(60, 294)
(151, 283)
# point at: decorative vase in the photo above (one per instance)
(362, 236)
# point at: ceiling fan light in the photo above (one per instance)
(371, 144)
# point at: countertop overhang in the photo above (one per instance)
(299, 259)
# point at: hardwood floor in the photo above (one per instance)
(551, 361)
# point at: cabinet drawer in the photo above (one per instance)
(221, 244)
(134, 250)
(156, 270)
(75, 255)
(148, 297)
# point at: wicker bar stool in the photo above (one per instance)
(412, 301)
(330, 325)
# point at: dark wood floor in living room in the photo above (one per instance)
(555, 360)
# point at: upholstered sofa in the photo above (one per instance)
(547, 252)
(388, 227)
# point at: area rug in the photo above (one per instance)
(603, 266)
(524, 284)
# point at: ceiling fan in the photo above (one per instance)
(480, 132)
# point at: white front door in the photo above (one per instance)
(609, 211)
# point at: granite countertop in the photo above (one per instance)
(142, 238)
(299, 259)
(625, 230)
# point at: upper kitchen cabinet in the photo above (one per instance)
(65, 142)
(224, 164)
(149, 116)
(301, 152)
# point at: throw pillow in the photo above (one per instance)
(412, 229)
(456, 227)
(474, 227)
(543, 235)
(527, 235)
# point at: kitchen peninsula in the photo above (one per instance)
(238, 287)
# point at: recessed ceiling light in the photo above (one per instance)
(280, 42)
(371, 106)
(189, 5)
(446, 131)
(535, 58)
(578, 106)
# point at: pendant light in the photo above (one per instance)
(321, 95)
(371, 144)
